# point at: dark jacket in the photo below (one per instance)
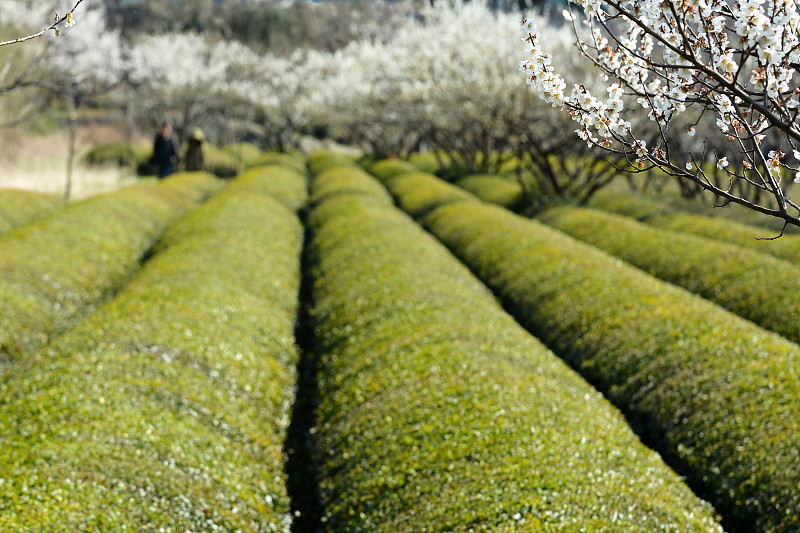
(164, 151)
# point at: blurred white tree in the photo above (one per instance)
(84, 64)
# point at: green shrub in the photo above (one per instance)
(219, 162)
(439, 413)
(166, 409)
(192, 187)
(632, 205)
(120, 154)
(418, 193)
(284, 183)
(511, 165)
(494, 189)
(424, 161)
(756, 286)
(19, 207)
(323, 159)
(295, 160)
(661, 215)
(387, 168)
(53, 270)
(347, 180)
(719, 396)
(245, 154)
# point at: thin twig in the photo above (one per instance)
(39, 34)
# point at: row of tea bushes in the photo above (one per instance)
(384, 169)
(348, 180)
(438, 412)
(663, 216)
(716, 394)
(419, 192)
(52, 270)
(120, 154)
(19, 207)
(166, 409)
(283, 182)
(245, 154)
(495, 190)
(294, 160)
(499, 190)
(324, 159)
(755, 286)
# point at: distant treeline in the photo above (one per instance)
(278, 26)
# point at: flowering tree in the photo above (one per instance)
(83, 65)
(58, 21)
(74, 66)
(187, 78)
(24, 66)
(688, 62)
(424, 87)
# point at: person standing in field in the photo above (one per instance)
(194, 153)
(165, 151)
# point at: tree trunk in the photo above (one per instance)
(73, 131)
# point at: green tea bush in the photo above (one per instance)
(166, 409)
(53, 270)
(629, 204)
(219, 162)
(244, 153)
(663, 216)
(716, 394)
(439, 413)
(419, 192)
(294, 160)
(425, 161)
(347, 180)
(285, 183)
(19, 207)
(756, 286)
(323, 159)
(387, 168)
(120, 154)
(494, 189)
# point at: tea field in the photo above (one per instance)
(320, 345)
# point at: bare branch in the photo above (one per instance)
(54, 27)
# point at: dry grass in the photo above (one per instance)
(39, 163)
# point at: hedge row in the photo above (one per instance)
(755, 286)
(324, 159)
(245, 154)
(166, 409)
(387, 168)
(291, 159)
(426, 161)
(347, 180)
(220, 162)
(52, 270)
(663, 216)
(120, 154)
(439, 413)
(419, 192)
(716, 394)
(283, 182)
(494, 189)
(19, 207)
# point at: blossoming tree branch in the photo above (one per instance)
(66, 20)
(731, 64)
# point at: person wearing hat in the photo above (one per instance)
(194, 153)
